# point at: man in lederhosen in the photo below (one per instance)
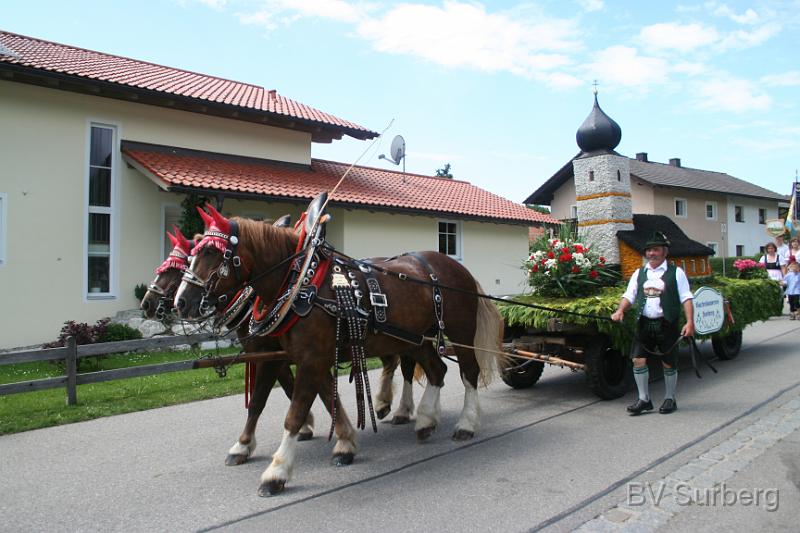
(657, 291)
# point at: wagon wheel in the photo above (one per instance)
(608, 372)
(727, 347)
(520, 376)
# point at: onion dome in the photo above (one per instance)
(598, 133)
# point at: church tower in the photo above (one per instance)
(602, 184)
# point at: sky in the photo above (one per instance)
(496, 89)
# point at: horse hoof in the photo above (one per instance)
(381, 413)
(343, 459)
(400, 420)
(462, 434)
(235, 459)
(271, 488)
(425, 433)
(305, 435)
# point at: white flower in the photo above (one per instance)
(554, 243)
(578, 257)
(550, 263)
(538, 255)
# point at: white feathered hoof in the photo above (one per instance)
(425, 433)
(271, 487)
(305, 435)
(382, 412)
(463, 434)
(235, 459)
(399, 420)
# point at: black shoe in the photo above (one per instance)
(640, 406)
(668, 406)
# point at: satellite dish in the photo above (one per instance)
(397, 152)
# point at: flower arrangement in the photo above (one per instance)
(749, 269)
(564, 268)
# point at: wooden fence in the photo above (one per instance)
(72, 352)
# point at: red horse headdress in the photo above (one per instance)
(218, 230)
(179, 256)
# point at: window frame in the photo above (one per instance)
(763, 220)
(573, 211)
(3, 228)
(736, 249)
(459, 251)
(112, 211)
(685, 207)
(713, 206)
(714, 246)
(741, 212)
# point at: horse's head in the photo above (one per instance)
(157, 302)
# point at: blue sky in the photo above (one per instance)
(497, 89)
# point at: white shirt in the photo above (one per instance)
(652, 307)
(783, 251)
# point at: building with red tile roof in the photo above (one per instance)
(99, 152)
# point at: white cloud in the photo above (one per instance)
(591, 5)
(286, 11)
(748, 17)
(674, 36)
(767, 145)
(213, 4)
(690, 68)
(785, 79)
(730, 94)
(623, 66)
(748, 39)
(461, 34)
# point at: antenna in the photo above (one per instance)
(397, 152)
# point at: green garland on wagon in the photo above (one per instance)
(751, 301)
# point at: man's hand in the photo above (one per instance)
(618, 315)
(688, 329)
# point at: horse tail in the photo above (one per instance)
(488, 340)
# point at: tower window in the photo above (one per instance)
(591, 175)
(619, 176)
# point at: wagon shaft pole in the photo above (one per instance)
(549, 359)
(253, 357)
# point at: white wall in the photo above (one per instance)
(749, 233)
(43, 149)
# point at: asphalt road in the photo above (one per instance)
(553, 456)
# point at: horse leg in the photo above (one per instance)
(383, 399)
(286, 379)
(430, 408)
(469, 420)
(266, 373)
(274, 478)
(406, 408)
(346, 437)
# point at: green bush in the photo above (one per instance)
(120, 332)
(730, 271)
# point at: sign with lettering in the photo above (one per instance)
(775, 227)
(709, 311)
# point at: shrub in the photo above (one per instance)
(83, 333)
(139, 291)
(120, 332)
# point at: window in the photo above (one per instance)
(171, 217)
(762, 215)
(739, 250)
(100, 211)
(449, 237)
(711, 210)
(762, 249)
(713, 246)
(619, 176)
(738, 213)
(680, 207)
(573, 211)
(3, 236)
(591, 175)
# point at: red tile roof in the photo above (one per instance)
(364, 186)
(50, 57)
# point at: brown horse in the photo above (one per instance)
(158, 301)
(310, 343)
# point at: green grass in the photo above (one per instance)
(39, 409)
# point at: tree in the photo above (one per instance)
(540, 208)
(444, 172)
(190, 222)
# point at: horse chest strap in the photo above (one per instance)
(376, 298)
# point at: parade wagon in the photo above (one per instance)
(576, 334)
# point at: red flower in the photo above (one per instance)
(579, 248)
(566, 257)
(593, 274)
(535, 268)
(565, 250)
(601, 259)
(575, 269)
(543, 261)
(550, 254)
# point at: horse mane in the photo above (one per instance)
(265, 240)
